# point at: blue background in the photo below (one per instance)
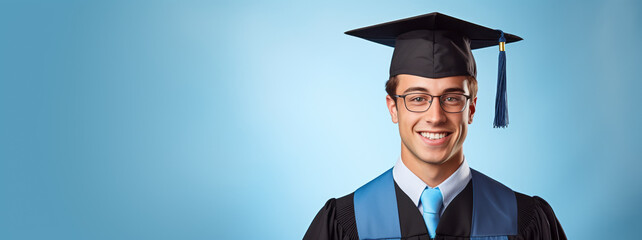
(238, 120)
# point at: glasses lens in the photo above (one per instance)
(453, 102)
(418, 102)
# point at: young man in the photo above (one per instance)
(431, 193)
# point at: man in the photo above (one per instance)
(431, 193)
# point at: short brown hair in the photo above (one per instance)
(391, 86)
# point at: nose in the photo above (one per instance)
(435, 113)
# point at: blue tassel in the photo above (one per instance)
(501, 102)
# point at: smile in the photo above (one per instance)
(434, 136)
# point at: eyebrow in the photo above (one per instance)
(421, 89)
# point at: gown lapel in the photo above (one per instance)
(410, 220)
(454, 222)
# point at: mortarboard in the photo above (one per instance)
(435, 45)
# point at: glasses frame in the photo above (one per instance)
(441, 103)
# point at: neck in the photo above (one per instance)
(431, 173)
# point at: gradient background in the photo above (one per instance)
(238, 120)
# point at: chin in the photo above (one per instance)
(437, 159)
(434, 160)
(439, 156)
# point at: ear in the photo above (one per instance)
(392, 108)
(472, 107)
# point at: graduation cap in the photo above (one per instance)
(436, 45)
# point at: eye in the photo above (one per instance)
(451, 99)
(418, 99)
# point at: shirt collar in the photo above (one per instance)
(413, 186)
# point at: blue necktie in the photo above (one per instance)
(431, 200)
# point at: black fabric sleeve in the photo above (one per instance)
(324, 226)
(335, 221)
(536, 219)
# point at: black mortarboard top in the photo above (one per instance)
(435, 45)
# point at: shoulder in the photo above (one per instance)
(335, 220)
(536, 219)
(345, 216)
(343, 211)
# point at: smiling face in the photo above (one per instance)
(433, 136)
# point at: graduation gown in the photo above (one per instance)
(535, 219)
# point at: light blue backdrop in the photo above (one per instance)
(238, 120)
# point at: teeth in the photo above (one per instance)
(433, 136)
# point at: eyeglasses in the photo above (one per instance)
(421, 102)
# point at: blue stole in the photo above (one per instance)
(494, 209)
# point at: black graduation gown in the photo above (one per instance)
(336, 220)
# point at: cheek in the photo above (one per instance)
(403, 126)
(462, 125)
(406, 123)
(463, 131)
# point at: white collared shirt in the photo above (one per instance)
(413, 186)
